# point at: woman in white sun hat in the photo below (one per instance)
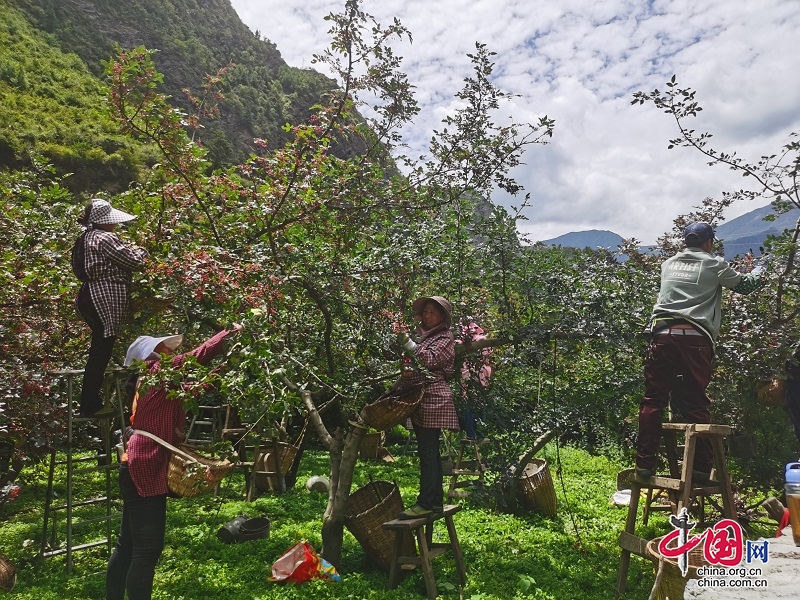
(145, 463)
(105, 266)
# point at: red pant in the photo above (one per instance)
(677, 371)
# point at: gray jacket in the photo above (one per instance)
(691, 289)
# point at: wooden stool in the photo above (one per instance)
(678, 485)
(423, 528)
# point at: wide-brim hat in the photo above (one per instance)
(419, 304)
(103, 213)
(144, 347)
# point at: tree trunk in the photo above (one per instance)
(343, 463)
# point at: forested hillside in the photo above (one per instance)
(51, 82)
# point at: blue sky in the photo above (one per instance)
(579, 61)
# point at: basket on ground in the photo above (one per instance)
(371, 444)
(8, 574)
(368, 508)
(672, 583)
(189, 477)
(265, 463)
(392, 409)
(537, 487)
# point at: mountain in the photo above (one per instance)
(594, 239)
(749, 231)
(740, 235)
(52, 95)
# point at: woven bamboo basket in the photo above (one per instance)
(392, 409)
(672, 584)
(8, 574)
(772, 393)
(186, 480)
(371, 443)
(624, 479)
(368, 508)
(266, 462)
(537, 487)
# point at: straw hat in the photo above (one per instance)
(419, 304)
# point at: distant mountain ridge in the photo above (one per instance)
(739, 235)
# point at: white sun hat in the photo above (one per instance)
(103, 213)
(144, 346)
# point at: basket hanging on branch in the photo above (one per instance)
(392, 408)
(772, 392)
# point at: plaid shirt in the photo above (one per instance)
(436, 352)
(147, 459)
(109, 264)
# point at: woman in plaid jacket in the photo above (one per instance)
(144, 467)
(105, 266)
(434, 350)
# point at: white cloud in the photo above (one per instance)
(579, 61)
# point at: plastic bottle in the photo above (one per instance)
(793, 498)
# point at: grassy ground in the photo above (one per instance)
(574, 555)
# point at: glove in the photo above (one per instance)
(406, 342)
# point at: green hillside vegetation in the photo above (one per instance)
(51, 105)
(194, 39)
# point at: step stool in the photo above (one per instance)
(678, 485)
(475, 472)
(422, 529)
(205, 426)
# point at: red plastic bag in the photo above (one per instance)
(298, 564)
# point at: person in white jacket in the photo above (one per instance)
(684, 327)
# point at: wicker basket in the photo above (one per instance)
(371, 443)
(186, 479)
(672, 584)
(537, 487)
(368, 508)
(624, 479)
(392, 409)
(266, 462)
(8, 574)
(772, 393)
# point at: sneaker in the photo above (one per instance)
(415, 512)
(644, 473)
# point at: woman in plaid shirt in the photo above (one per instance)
(105, 265)
(143, 469)
(435, 351)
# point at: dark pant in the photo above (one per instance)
(132, 564)
(99, 355)
(430, 467)
(677, 371)
(470, 423)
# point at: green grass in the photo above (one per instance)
(574, 555)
